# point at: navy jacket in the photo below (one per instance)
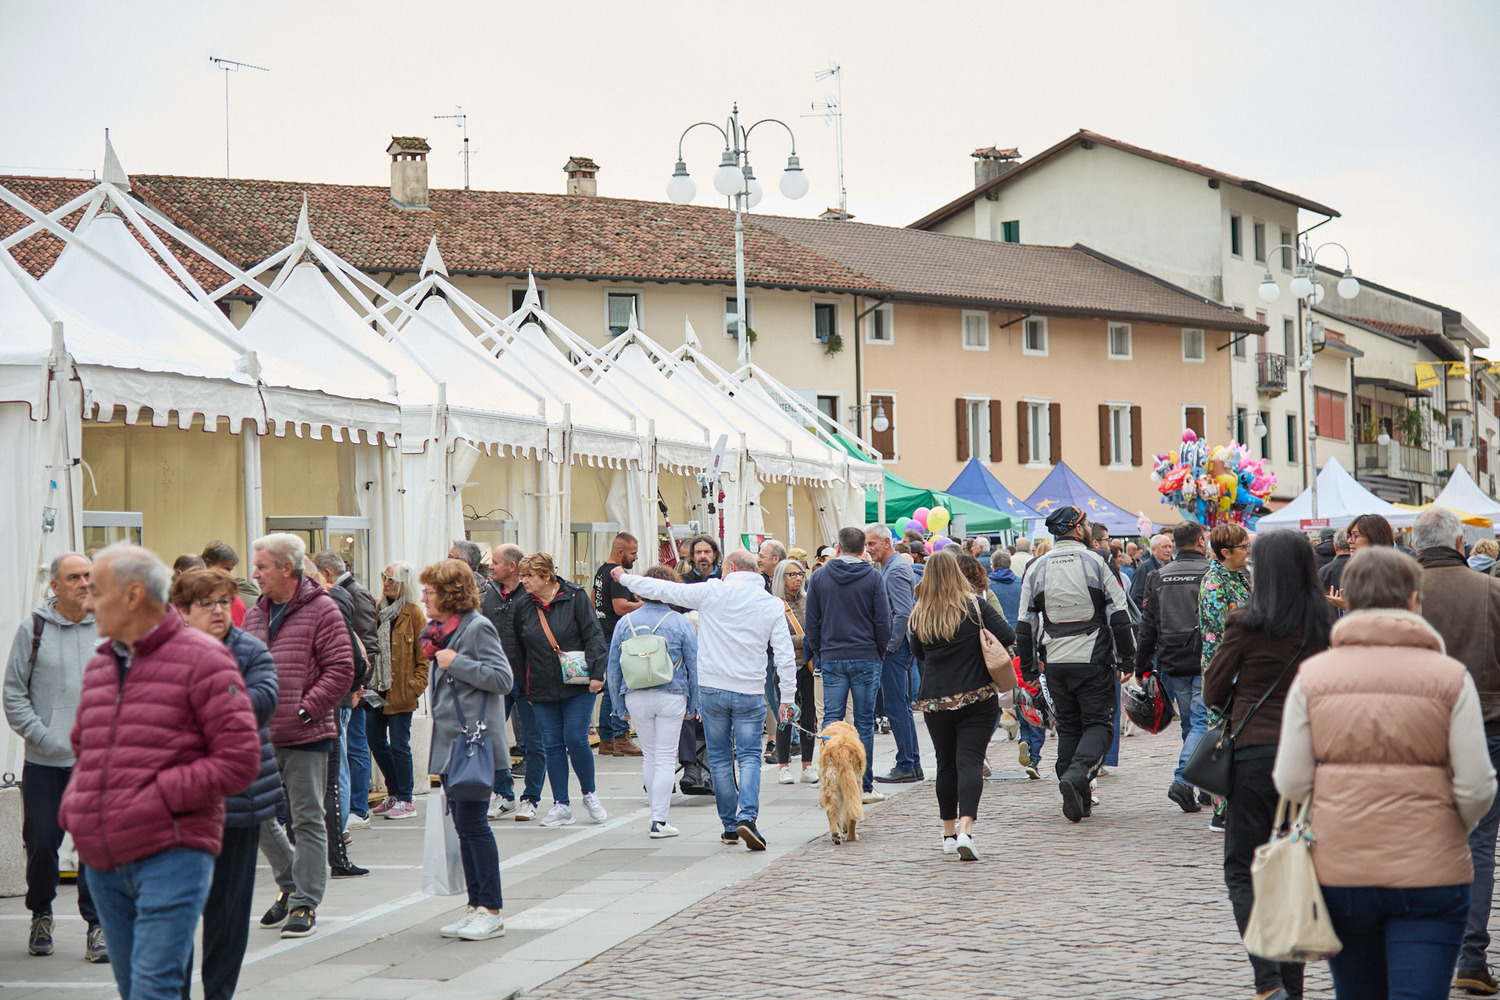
(848, 614)
(1006, 587)
(257, 803)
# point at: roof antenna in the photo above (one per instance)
(461, 120)
(832, 113)
(230, 66)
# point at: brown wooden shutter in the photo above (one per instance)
(884, 441)
(995, 438)
(961, 415)
(1055, 415)
(1023, 433)
(1104, 448)
(1136, 453)
(1195, 420)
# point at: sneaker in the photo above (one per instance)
(499, 806)
(1033, 773)
(350, 870)
(785, 777)
(1103, 772)
(897, 776)
(810, 775)
(301, 923)
(729, 837)
(770, 755)
(402, 810)
(966, 851)
(1182, 794)
(526, 811)
(1093, 792)
(40, 941)
(346, 838)
(94, 948)
(661, 830)
(1023, 755)
(384, 805)
(560, 814)
(1477, 981)
(883, 726)
(1216, 823)
(451, 930)
(985, 769)
(276, 915)
(950, 844)
(483, 926)
(751, 836)
(627, 747)
(595, 807)
(357, 822)
(873, 795)
(1205, 799)
(1073, 800)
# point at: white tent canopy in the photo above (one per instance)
(1340, 500)
(1462, 493)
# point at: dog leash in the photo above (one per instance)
(792, 722)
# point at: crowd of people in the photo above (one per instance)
(180, 723)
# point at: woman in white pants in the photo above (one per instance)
(656, 712)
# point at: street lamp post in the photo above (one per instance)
(1308, 292)
(735, 179)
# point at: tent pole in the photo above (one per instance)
(567, 488)
(880, 492)
(250, 455)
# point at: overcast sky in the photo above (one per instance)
(1385, 110)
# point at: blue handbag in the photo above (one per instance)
(471, 761)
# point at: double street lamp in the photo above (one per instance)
(735, 179)
(1309, 292)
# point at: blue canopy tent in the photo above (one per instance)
(977, 484)
(1063, 487)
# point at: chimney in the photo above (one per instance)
(991, 162)
(581, 171)
(408, 171)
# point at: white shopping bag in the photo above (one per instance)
(442, 865)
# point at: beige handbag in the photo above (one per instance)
(1289, 921)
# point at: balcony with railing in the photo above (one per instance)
(1396, 460)
(1270, 373)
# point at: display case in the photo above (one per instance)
(348, 536)
(490, 532)
(106, 527)
(591, 544)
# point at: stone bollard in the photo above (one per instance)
(12, 854)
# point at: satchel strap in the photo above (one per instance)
(484, 706)
(1274, 685)
(541, 614)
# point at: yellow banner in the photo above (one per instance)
(1457, 369)
(1426, 376)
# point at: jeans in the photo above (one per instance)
(149, 910)
(390, 748)
(898, 674)
(732, 727)
(610, 728)
(226, 915)
(657, 716)
(841, 678)
(563, 729)
(1084, 698)
(339, 770)
(357, 778)
(1188, 693)
(41, 794)
(1482, 849)
(1035, 737)
(1247, 824)
(959, 739)
(477, 851)
(304, 773)
(1398, 943)
(536, 754)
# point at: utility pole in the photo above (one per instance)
(462, 121)
(230, 66)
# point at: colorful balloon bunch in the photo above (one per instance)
(1209, 485)
(930, 521)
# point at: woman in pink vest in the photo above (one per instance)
(1385, 732)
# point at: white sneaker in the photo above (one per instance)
(452, 929)
(499, 806)
(950, 844)
(810, 775)
(1103, 772)
(660, 830)
(357, 822)
(525, 811)
(559, 815)
(482, 926)
(596, 808)
(1094, 791)
(785, 777)
(965, 846)
(873, 795)
(985, 768)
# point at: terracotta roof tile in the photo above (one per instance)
(1398, 329)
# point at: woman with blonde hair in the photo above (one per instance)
(398, 674)
(956, 696)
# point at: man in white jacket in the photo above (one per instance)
(737, 622)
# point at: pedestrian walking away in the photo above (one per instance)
(898, 671)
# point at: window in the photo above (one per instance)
(1287, 253)
(1119, 341)
(878, 329)
(976, 331)
(1289, 337)
(731, 315)
(1237, 340)
(1330, 413)
(518, 297)
(1241, 424)
(1010, 232)
(1034, 337)
(1039, 431)
(1192, 345)
(621, 305)
(1291, 437)
(1194, 418)
(825, 321)
(829, 407)
(1265, 439)
(1234, 236)
(974, 429)
(1119, 435)
(1260, 242)
(882, 441)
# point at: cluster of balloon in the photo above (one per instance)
(1209, 485)
(928, 520)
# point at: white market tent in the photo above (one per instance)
(1462, 493)
(1340, 500)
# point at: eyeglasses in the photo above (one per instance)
(429, 592)
(389, 579)
(222, 602)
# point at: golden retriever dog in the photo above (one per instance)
(842, 761)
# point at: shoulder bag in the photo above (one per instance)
(996, 659)
(471, 762)
(575, 666)
(1211, 767)
(1289, 921)
(645, 661)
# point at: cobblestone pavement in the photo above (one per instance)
(1128, 904)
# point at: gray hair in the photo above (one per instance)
(1436, 529)
(778, 578)
(777, 549)
(56, 566)
(739, 560)
(1000, 560)
(1023, 545)
(981, 545)
(405, 574)
(133, 564)
(471, 553)
(331, 561)
(285, 549)
(1341, 540)
(508, 552)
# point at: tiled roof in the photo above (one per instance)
(1085, 138)
(408, 144)
(1057, 280)
(1398, 329)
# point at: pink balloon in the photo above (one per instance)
(920, 516)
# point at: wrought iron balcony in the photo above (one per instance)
(1270, 373)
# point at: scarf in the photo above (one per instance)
(434, 637)
(389, 611)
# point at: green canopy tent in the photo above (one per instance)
(903, 498)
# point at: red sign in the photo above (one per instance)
(1312, 523)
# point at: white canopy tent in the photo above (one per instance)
(1340, 500)
(1462, 493)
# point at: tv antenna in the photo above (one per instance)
(230, 66)
(831, 110)
(461, 120)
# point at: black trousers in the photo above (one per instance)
(41, 795)
(226, 914)
(1250, 811)
(809, 721)
(959, 739)
(1085, 701)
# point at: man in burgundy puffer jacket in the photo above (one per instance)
(164, 731)
(314, 658)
